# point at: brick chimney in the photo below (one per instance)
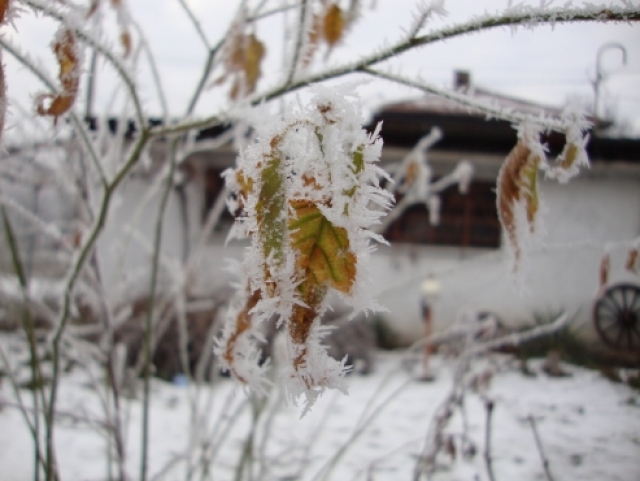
(461, 79)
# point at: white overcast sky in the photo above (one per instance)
(546, 65)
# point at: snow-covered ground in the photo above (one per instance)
(589, 428)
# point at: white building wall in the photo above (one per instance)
(582, 219)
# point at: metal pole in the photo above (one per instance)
(600, 75)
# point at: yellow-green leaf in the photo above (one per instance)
(568, 156)
(358, 160)
(324, 256)
(270, 208)
(253, 54)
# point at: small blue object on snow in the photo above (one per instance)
(180, 380)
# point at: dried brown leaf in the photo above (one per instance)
(605, 266)
(518, 181)
(125, 40)
(334, 25)
(313, 40)
(632, 259)
(69, 75)
(242, 325)
(4, 8)
(253, 55)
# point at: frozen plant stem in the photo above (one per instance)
(543, 458)
(489, 405)
(37, 381)
(148, 328)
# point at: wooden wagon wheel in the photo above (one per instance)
(617, 316)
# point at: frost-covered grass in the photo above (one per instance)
(587, 424)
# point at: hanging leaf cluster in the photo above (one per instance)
(243, 54)
(310, 191)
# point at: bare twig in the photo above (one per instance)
(196, 23)
(445, 411)
(148, 333)
(524, 18)
(489, 405)
(300, 41)
(543, 457)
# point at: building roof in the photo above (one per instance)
(469, 130)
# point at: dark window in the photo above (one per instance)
(466, 220)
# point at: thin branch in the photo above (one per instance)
(300, 40)
(528, 18)
(446, 409)
(196, 23)
(437, 7)
(543, 458)
(491, 109)
(28, 326)
(274, 11)
(76, 269)
(155, 74)
(148, 323)
(206, 71)
(489, 405)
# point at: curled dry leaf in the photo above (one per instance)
(243, 324)
(66, 51)
(518, 185)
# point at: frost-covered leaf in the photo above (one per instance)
(68, 55)
(310, 191)
(240, 326)
(323, 255)
(270, 210)
(518, 190)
